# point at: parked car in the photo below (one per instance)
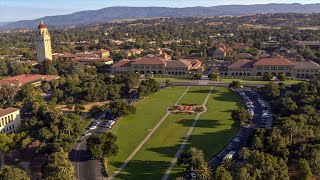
(87, 134)
(92, 127)
(237, 139)
(230, 155)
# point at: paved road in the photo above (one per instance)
(209, 83)
(85, 167)
(184, 142)
(244, 133)
(145, 139)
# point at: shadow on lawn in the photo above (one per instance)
(201, 123)
(142, 170)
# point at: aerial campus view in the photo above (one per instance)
(168, 90)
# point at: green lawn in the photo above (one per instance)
(215, 127)
(249, 82)
(154, 158)
(213, 131)
(132, 129)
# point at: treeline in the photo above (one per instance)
(291, 148)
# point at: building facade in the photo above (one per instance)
(43, 43)
(156, 65)
(274, 66)
(10, 120)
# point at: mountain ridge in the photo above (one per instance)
(123, 12)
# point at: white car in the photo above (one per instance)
(93, 127)
(237, 139)
(229, 155)
(87, 134)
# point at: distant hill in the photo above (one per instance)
(121, 13)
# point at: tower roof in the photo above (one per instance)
(41, 25)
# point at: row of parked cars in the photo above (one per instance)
(248, 102)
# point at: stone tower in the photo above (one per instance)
(43, 43)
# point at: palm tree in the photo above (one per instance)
(245, 153)
(204, 173)
(227, 164)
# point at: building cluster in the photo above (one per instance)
(151, 64)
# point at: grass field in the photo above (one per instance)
(213, 131)
(154, 158)
(132, 129)
(215, 127)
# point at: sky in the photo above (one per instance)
(14, 10)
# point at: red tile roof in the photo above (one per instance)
(27, 78)
(4, 112)
(102, 51)
(242, 64)
(149, 60)
(123, 63)
(88, 60)
(276, 61)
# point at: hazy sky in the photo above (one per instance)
(12, 10)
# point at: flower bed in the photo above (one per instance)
(186, 109)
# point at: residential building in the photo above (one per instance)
(220, 52)
(10, 120)
(35, 79)
(155, 65)
(43, 43)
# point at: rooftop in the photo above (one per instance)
(4, 112)
(307, 65)
(123, 63)
(88, 60)
(274, 61)
(242, 64)
(27, 78)
(149, 61)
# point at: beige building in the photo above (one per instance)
(275, 66)
(10, 120)
(156, 65)
(43, 43)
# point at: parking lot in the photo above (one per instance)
(262, 118)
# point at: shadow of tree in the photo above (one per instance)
(142, 170)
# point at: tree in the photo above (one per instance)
(213, 76)
(270, 91)
(244, 153)
(6, 144)
(267, 76)
(47, 67)
(120, 108)
(168, 82)
(10, 173)
(221, 174)
(235, 85)
(197, 75)
(58, 166)
(304, 170)
(241, 115)
(7, 94)
(281, 77)
(193, 159)
(102, 145)
(148, 87)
